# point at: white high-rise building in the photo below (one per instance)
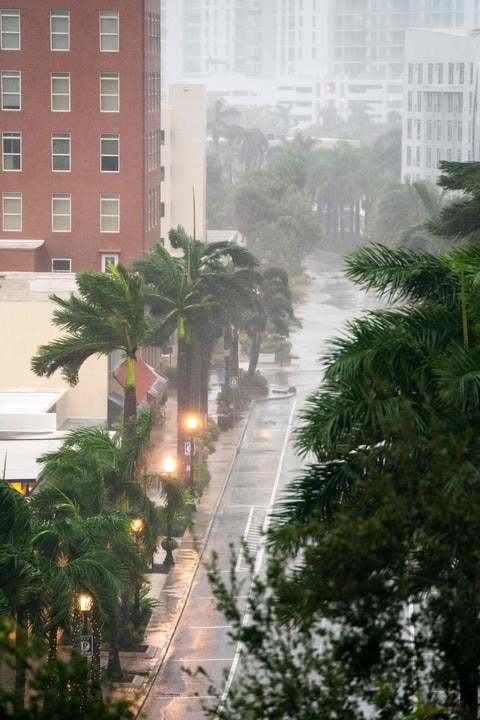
(440, 120)
(345, 51)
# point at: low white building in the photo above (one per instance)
(440, 119)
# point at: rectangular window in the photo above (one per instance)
(419, 129)
(12, 212)
(409, 101)
(109, 92)
(440, 73)
(61, 152)
(11, 96)
(109, 259)
(420, 73)
(110, 213)
(12, 150)
(59, 30)
(459, 131)
(450, 73)
(109, 152)
(61, 265)
(61, 212)
(461, 73)
(109, 26)
(10, 29)
(430, 73)
(61, 92)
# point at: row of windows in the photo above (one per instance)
(442, 72)
(61, 151)
(62, 211)
(437, 129)
(65, 264)
(109, 27)
(416, 160)
(11, 91)
(438, 102)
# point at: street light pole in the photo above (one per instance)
(169, 467)
(192, 423)
(136, 526)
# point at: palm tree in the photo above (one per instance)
(395, 425)
(274, 308)
(107, 314)
(195, 291)
(458, 219)
(21, 581)
(402, 212)
(109, 492)
(253, 147)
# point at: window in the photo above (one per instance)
(461, 73)
(109, 213)
(61, 265)
(10, 29)
(108, 258)
(11, 90)
(12, 150)
(61, 92)
(109, 23)
(59, 30)
(409, 154)
(440, 73)
(450, 73)
(109, 92)
(430, 73)
(61, 151)
(409, 128)
(12, 211)
(109, 152)
(61, 212)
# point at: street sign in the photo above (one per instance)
(188, 447)
(86, 645)
(233, 381)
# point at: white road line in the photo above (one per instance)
(261, 551)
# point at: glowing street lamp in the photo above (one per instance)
(85, 602)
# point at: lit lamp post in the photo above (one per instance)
(192, 423)
(168, 545)
(85, 602)
(136, 525)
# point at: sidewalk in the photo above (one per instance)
(170, 589)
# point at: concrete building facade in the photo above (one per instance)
(80, 125)
(440, 120)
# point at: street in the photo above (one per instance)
(265, 462)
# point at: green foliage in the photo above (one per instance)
(370, 601)
(58, 690)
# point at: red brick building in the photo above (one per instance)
(80, 126)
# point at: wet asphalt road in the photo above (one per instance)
(264, 464)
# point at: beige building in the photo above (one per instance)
(26, 321)
(184, 155)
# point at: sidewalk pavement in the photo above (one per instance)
(170, 588)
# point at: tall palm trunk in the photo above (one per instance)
(183, 394)
(130, 399)
(254, 354)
